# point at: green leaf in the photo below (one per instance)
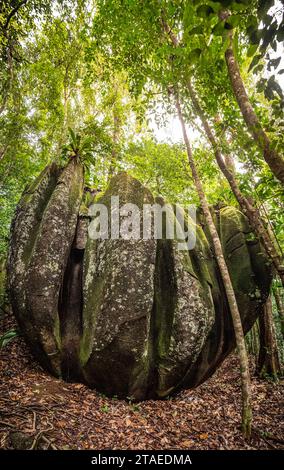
(255, 61)
(238, 5)
(196, 30)
(194, 55)
(254, 35)
(7, 337)
(252, 50)
(72, 134)
(204, 10)
(259, 68)
(218, 29)
(275, 62)
(234, 20)
(280, 33)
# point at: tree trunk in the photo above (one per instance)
(252, 341)
(64, 128)
(248, 340)
(280, 309)
(268, 359)
(230, 164)
(246, 206)
(13, 13)
(238, 329)
(115, 140)
(272, 158)
(115, 132)
(255, 332)
(6, 89)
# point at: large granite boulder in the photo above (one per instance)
(135, 318)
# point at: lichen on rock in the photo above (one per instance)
(132, 317)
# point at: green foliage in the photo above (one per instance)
(105, 408)
(79, 149)
(7, 337)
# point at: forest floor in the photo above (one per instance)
(39, 411)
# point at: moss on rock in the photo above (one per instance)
(135, 318)
(118, 301)
(42, 232)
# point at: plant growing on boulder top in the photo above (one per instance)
(80, 149)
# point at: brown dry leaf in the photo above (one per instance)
(187, 443)
(61, 424)
(164, 440)
(78, 386)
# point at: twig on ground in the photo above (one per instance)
(38, 436)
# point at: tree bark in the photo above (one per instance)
(115, 133)
(3, 150)
(268, 360)
(230, 164)
(280, 309)
(272, 158)
(115, 139)
(255, 330)
(238, 329)
(5, 31)
(13, 13)
(252, 342)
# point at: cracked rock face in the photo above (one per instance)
(133, 318)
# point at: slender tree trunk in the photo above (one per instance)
(10, 69)
(272, 158)
(256, 338)
(252, 341)
(246, 206)
(64, 128)
(280, 309)
(263, 212)
(3, 151)
(115, 133)
(230, 164)
(248, 340)
(13, 13)
(115, 139)
(268, 359)
(236, 318)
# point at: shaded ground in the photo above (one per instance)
(38, 411)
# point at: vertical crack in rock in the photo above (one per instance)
(70, 308)
(163, 313)
(70, 303)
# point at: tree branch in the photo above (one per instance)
(13, 13)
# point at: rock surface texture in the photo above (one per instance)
(135, 318)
